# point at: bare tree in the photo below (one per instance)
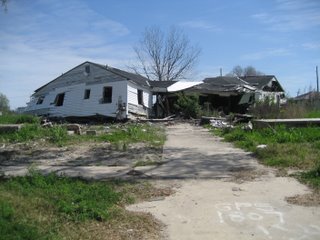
(244, 72)
(251, 71)
(165, 56)
(4, 4)
(237, 71)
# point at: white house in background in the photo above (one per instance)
(267, 87)
(92, 89)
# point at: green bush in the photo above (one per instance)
(188, 105)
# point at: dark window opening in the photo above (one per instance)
(87, 69)
(40, 100)
(107, 95)
(59, 99)
(87, 94)
(140, 97)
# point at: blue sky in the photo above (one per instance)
(41, 39)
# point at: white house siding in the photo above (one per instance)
(133, 105)
(273, 97)
(78, 75)
(75, 105)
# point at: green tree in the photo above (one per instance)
(4, 103)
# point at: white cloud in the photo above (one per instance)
(201, 25)
(280, 52)
(311, 46)
(37, 46)
(291, 15)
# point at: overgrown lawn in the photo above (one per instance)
(52, 207)
(297, 148)
(118, 134)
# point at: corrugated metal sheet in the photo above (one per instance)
(178, 86)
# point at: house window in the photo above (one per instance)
(59, 99)
(87, 69)
(40, 100)
(140, 97)
(107, 95)
(86, 94)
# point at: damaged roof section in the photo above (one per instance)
(223, 86)
(161, 86)
(264, 83)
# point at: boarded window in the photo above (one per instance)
(59, 99)
(87, 69)
(107, 95)
(87, 94)
(40, 100)
(140, 97)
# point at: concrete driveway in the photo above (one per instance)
(192, 152)
(214, 200)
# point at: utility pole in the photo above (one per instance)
(220, 72)
(317, 79)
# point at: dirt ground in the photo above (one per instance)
(83, 154)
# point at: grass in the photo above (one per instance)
(297, 148)
(133, 133)
(313, 114)
(34, 132)
(52, 207)
(119, 135)
(18, 119)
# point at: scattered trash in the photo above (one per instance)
(74, 127)
(46, 123)
(248, 126)
(262, 146)
(217, 123)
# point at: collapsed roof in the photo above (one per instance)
(223, 86)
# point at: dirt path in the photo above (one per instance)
(223, 193)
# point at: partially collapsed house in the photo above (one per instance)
(90, 90)
(228, 94)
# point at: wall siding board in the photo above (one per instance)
(133, 105)
(78, 76)
(75, 105)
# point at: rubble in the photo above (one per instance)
(217, 123)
